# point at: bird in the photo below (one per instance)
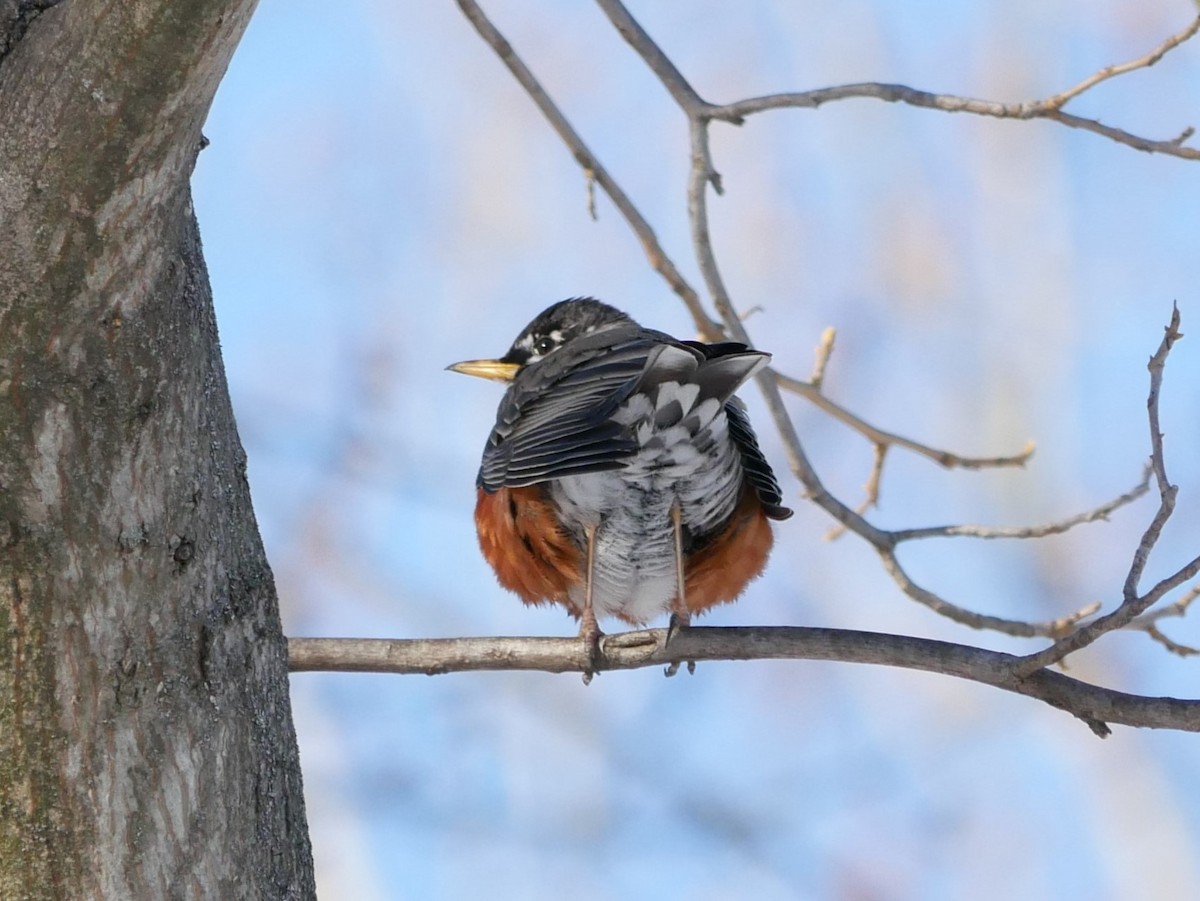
(622, 477)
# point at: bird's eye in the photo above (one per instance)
(543, 345)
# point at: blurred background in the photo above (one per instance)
(381, 199)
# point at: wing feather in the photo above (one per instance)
(557, 418)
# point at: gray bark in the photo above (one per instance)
(146, 740)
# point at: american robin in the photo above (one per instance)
(622, 477)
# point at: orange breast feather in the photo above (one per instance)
(520, 537)
(721, 570)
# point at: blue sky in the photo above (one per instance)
(380, 200)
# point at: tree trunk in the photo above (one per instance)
(146, 742)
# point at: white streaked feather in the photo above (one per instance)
(671, 391)
(635, 545)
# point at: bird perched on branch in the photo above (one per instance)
(622, 477)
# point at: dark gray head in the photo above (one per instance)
(559, 324)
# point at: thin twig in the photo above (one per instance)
(1052, 528)
(821, 361)
(1093, 705)
(699, 178)
(589, 182)
(1176, 608)
(1182, 650)
(948, 103)
(1048, 108)
(870, 490)
(659, 63)
(1015, 627)
(875, 435)
(1133, 604)
(1148, 622)
(1172, 147)
(659, 261)
(1057, 101)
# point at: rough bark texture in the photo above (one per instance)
(146, 742)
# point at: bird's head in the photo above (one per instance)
(552, 329)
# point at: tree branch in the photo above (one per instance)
(1049, 108)
(1051, 528)
(1017, 628)
(1133, 604)
(658, 62)
(633, 650)
(1060, 99)
(593, 170)
(812, 392)
(1176, 608)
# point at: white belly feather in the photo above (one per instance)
(684, 458)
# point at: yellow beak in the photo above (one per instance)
(496, 370)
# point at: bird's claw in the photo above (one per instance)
(591, 636)
(678, 624)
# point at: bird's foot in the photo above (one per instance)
(679, 622)
(590, 635)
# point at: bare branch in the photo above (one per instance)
(1172, 147)
(1017, 628)
(1174, 647)
(633, 33)
(589, 180)
(821, 361)
(949, 103)
(1177, 608)
(1133, 604)
(1048, 108)
(631, 650)
(1144, 62)
(1052, 528)
(870, 490)
(659, 261)
(811, 392)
